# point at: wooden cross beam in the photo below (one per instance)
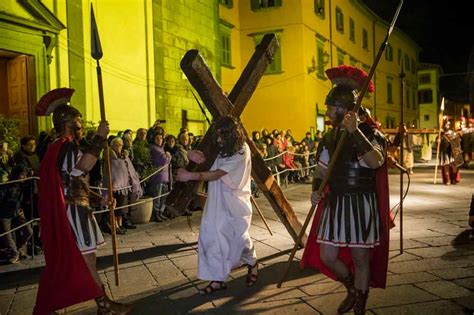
(199, 75)
(413, 131)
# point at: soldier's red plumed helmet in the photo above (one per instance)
(57, 102)
(348, 82)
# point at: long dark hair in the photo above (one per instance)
(230, 131)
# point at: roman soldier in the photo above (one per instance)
(467, 141)
(69, 231)
(450, 155)
(349, 238)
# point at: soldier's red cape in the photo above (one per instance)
(66, 279)
(379, 254)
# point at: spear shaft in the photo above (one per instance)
(402, 140)
(96, 53)
(438, 145)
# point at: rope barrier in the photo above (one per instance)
(95, 212)
(19, 227)
(18, 180)
(99, 188)
(285, 152)
(294, 169)
(141, 181)
(133, 204)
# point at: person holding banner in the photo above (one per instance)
(349, 237)
(69, 231)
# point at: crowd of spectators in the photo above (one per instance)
(142, 163)
(292, 161)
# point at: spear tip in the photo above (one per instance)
(96, 47)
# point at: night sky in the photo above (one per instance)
(443, 29)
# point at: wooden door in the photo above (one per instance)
(18, 92)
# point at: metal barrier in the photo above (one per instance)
(33, 220)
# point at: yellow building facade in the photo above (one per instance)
(315, 36)
(144, 41)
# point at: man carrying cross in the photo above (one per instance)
(349, 238)
(224, 240)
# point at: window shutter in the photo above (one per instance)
(254, 5)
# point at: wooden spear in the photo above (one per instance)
(402, 138)
(440, 122)
(340, 144)
(96, 52)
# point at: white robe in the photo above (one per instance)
(224, 240)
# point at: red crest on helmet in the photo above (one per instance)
(53, 99)
(349, 75)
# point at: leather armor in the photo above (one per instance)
(348, 175)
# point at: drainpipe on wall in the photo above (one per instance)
(375, 72)
(58, 64)
(150, 90)
(330, 32)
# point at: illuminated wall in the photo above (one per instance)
(144, 41)
(311, 41)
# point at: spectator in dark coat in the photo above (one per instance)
(11, 216)
(159, 183)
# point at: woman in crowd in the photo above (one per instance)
(159, 183)
(125, 183)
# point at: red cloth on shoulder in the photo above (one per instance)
(66, 279)
(379, 254)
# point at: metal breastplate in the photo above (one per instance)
(76, 189)
(349, 176)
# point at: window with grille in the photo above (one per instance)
(319, 8)
(226, 49)
(340, 57)
(424, 78)
(227, 3)
(425, 96)
(389, 90)
(351, 29)
(365, 39)
(339, 20)
(407, 63)
(262, 4)
(408, 98)
(414, 99)
(320, 49)
(389, 53)
(226, 43)
(389, 122)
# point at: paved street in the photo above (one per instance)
(434, 275)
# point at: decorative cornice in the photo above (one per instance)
(46, 20)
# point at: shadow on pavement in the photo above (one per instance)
(230, 301)
(463, 238)
(462, 242)
(29, 276)
(146, 253)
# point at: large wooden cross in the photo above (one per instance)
(218, 104)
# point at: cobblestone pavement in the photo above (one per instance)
(158, 264)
